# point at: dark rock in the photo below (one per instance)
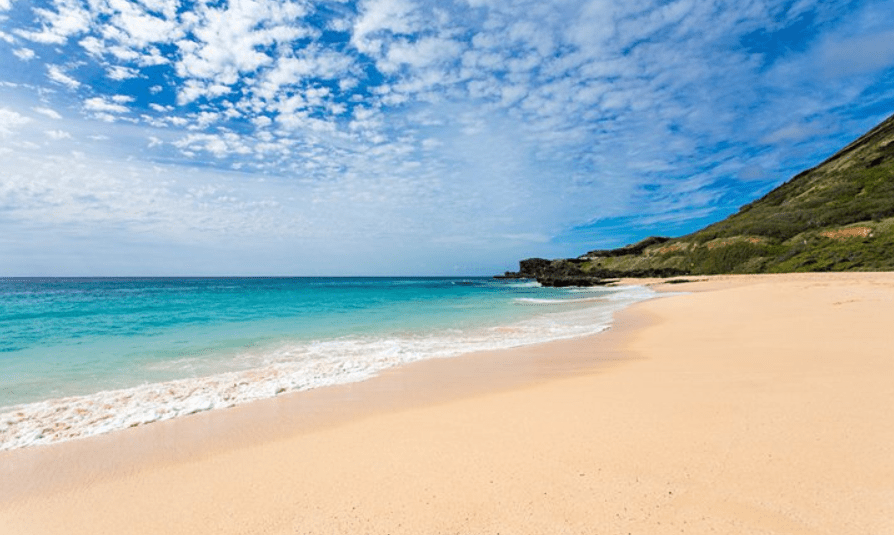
(568, 272)
(532, 267)
(511, 275)
(561, 282)
(601, 277)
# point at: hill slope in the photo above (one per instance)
(838, 216)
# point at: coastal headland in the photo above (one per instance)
(837, 216)
(733, 404)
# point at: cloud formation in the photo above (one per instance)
(483, 129)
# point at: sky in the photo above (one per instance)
(409, 137)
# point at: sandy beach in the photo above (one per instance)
(744, 404)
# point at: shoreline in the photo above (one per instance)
(641, 427)
(298, 365)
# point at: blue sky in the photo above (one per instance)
(166, 137)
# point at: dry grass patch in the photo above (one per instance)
(725, 242)
(847, 233)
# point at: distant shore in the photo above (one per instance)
(749, 404)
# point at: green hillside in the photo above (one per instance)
(838, 216)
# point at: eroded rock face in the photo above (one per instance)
(534, 267)
(563, 272)
(530, 268)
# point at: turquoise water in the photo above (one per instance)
(84, 356)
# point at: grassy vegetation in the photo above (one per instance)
(841, 198)
(810, 250)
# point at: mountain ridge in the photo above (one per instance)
(836, 216)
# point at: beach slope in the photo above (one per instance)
(753, 404)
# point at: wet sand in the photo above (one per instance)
(753, 404)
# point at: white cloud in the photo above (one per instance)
(10, 121)
(100, 104)
(5, 5)
(49, 112)
(394, 16)
(792, 132)
(192, 90)
(56, 74)
(24, 54)
(753, 172)
(311, 63)
(58, 134)
(420, 54)
(117, 72)
(857, 55)
(69, 18)
(105, 117)
(93, 46)
(134, 27)
(205, 118)
(227, 42)
(262, 121)
(79, 191)
(218, 145)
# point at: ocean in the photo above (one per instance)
(84, 356)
